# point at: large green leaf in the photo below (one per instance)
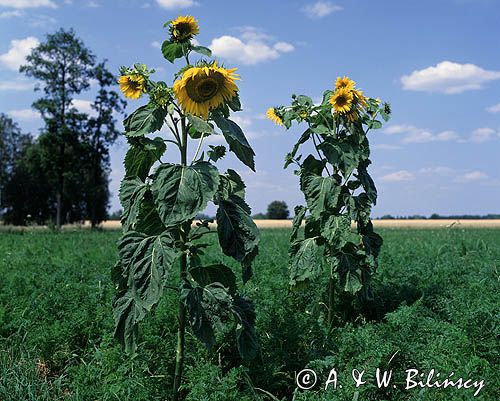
(300, 212)
(146, 119)
(205, 275)
(231, 184)
(172, 50)
(181, 192)
(141, 156)
(367, 182)
(342, 155)
(199, 127)
(349, 273)
(236, 139)
(305, 260)
(238, 234)
(145, 262)
(205, 51)
(246, 337)
(336, 230)
(148, 220)
(132, 192)
(321, 193)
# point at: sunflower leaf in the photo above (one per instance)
(181, 192)
(145, 120)
(235, 137)
(132, 192)
(141, 156)
(172, 50)
(199, 126)
(205, 51)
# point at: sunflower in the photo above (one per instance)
(341, 100)
(184, 28)
(352, 116)
(204, 88)
(359, 98)
(132, 85)
(271, 114)
(345, 82)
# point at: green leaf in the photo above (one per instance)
(304, 100)
(144, 120)
(141, 156)
(172, 50)
(145, 262)
(238, 235)
(132, 192)
(216, 152)
(374, 124)
(305, 261)
(304, 137)
(198, 317)
(300, 212)
(205, 275)
(348, 271)
(148, 220)
(326, 97)
(321, 193)
(246, 337)
(236, 139)
(234, 103)
(200, 126)
(181, 192)
(367, 182)
(231, 184)
(202, 50)
(336, 230)
(342, 155)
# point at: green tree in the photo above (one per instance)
(278, 210)
(64, 66)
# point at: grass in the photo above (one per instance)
(436, 306)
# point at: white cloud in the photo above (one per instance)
(448, 77)
(83, 106)
(27, 3)
(398, 176)
(173, 4)
(43, 21)
(19, 49)
(16, 85)
(320, 9)
(251, 48)
(24, 114)
(494, 109)
(420, 135)
(156, 44)
(10, 14)
(439, 170)
(472, 176)
(481, 135)
(386, 146)
(93, 4)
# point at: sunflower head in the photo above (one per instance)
(183, 28)
(204, 88)
(341, 100)
(160, 94)
(359, 98)
(345, 82)
(271, 114)
(132, 85)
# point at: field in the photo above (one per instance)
(436, 306)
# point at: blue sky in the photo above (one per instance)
(437, 62)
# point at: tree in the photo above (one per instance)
(12, 145)
(64, 67)
(278, 210)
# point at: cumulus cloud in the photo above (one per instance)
(252, 47)
(472, 176)
(386, 146)
(398, 176)
(494, 109)
(83, 106)
(28, 3)
(16, 85)
(174, 4)
(19, 49)
(320, 9)
(420, 135)
(448, 77)
(10, 14)
(481, 135)
(24, 114)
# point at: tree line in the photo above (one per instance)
(61, 175)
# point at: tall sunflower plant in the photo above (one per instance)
(161, 200)
(338, 190)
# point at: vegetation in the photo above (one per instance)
(436, 303)
(277, 210)
(159, 205)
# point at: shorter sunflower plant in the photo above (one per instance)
(338, 190)
(162, 198)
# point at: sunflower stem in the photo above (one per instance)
(199, 147)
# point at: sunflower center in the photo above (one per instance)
(341, 101)
(202, 89)
(134, 85)
(183, 29)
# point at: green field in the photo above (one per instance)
(436, 306)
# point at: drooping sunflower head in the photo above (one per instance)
(204, 88)
(341, 100)
(271, 114)
(184, 28)
(132, 85)
(160, 94)
(345, 82)
(359, 99)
